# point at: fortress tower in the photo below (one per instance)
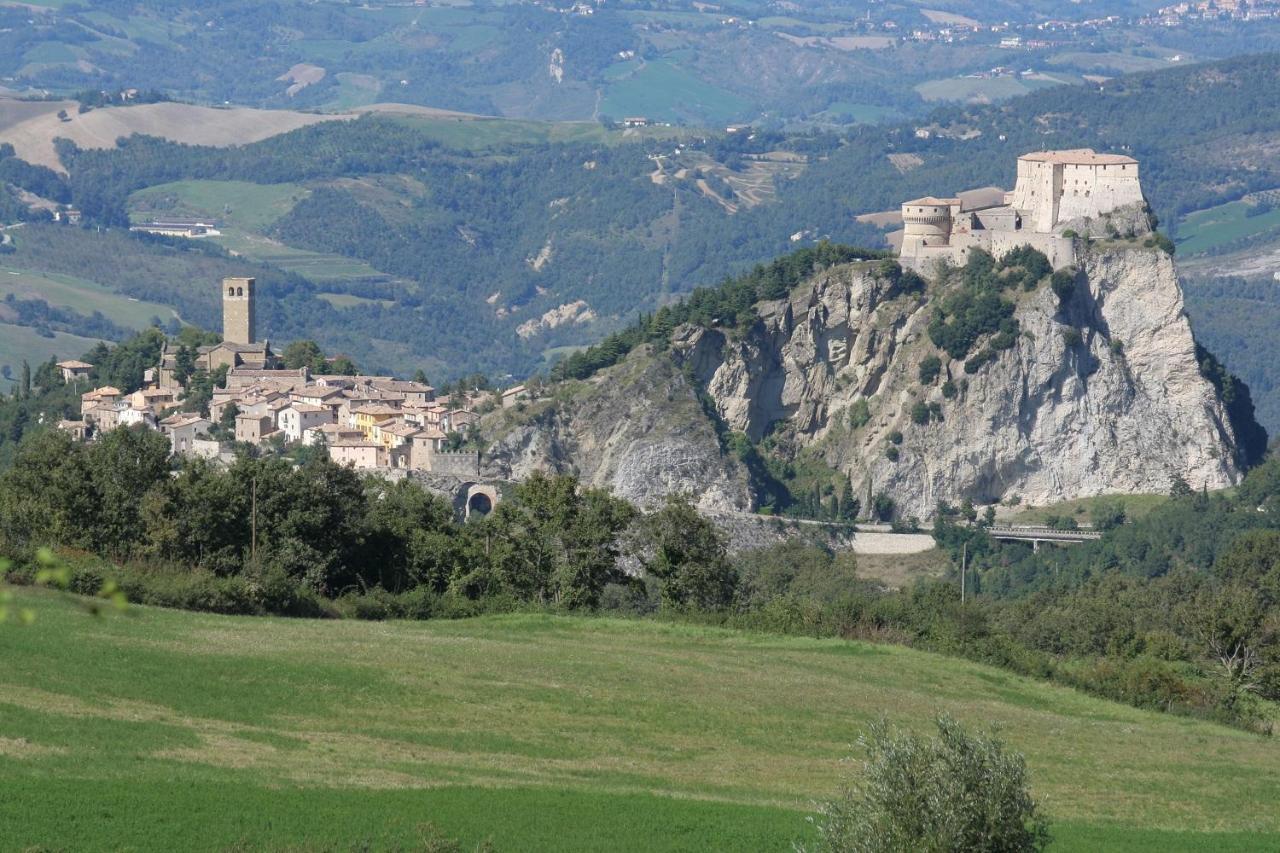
(1054, 188)
(239, 322)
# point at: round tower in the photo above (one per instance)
(926, 222)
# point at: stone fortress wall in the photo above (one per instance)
(1053, 187)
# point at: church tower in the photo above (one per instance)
(239, 325)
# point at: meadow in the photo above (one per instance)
(155, 729)
(78, 294)
(1213, 227)
(19, 343)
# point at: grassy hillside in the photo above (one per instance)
(18, 343)
(81, 295)
(158, 729)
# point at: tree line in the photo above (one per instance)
(1179, 611)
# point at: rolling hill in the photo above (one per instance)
(543, 732)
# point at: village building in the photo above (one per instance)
(74, 371)
(252, 429)
(104, 396)
(358, 454)
(331, 434)
(183, 430)
(78, 430)
(1054, 189)
(513, 395)
(368, 416)
(296, 418)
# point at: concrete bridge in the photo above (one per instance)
(1035, 535)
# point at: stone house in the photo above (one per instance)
(74, 371)
(358, 454)
(251, 429)
(297, 418)
(183, 430)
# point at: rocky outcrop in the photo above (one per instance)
(637, 429)
(1102, 394)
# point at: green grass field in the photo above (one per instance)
(1135, 506)
(1212, 227)
(663, 91)
(158, 729)
(245, 205)
(80, 295)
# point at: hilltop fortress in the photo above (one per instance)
(1055, 191)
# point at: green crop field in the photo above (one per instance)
(1212, 227)
(664, 91)
(67, 291)
(239, 203)
(155, 729)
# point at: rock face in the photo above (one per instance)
(637, 429)
(1100, 395)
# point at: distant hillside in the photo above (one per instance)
(31, 127)
(534, 238)
(545, 733)
(820, 63)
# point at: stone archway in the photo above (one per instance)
(481, 500)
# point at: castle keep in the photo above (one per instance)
(1053, 190)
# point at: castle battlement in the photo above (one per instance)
(1052, 188)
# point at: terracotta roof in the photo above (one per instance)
(307, 407)
(390, 411)
(72, 364)
(1078, 157)
(104, 391)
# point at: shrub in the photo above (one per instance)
(930, 367)
(920, 413)
(882, 507)
(895, 437)
(891, 453)
(979, 360)
(859, 414)
(949, 389)
(1071, 336)
(1107, 515)
(1161, 242)
(955, 791)
(1063, 283)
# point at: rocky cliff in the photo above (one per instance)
(637, 428)
(1100, 392)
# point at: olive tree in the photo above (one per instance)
(952, 792)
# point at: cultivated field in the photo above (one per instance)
(158, 730)
(31, 131)
(86, 297)
(1214, 227)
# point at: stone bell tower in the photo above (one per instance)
(239, 323)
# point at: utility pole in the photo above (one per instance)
(253, 521)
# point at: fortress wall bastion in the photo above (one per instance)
(1052, 188)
